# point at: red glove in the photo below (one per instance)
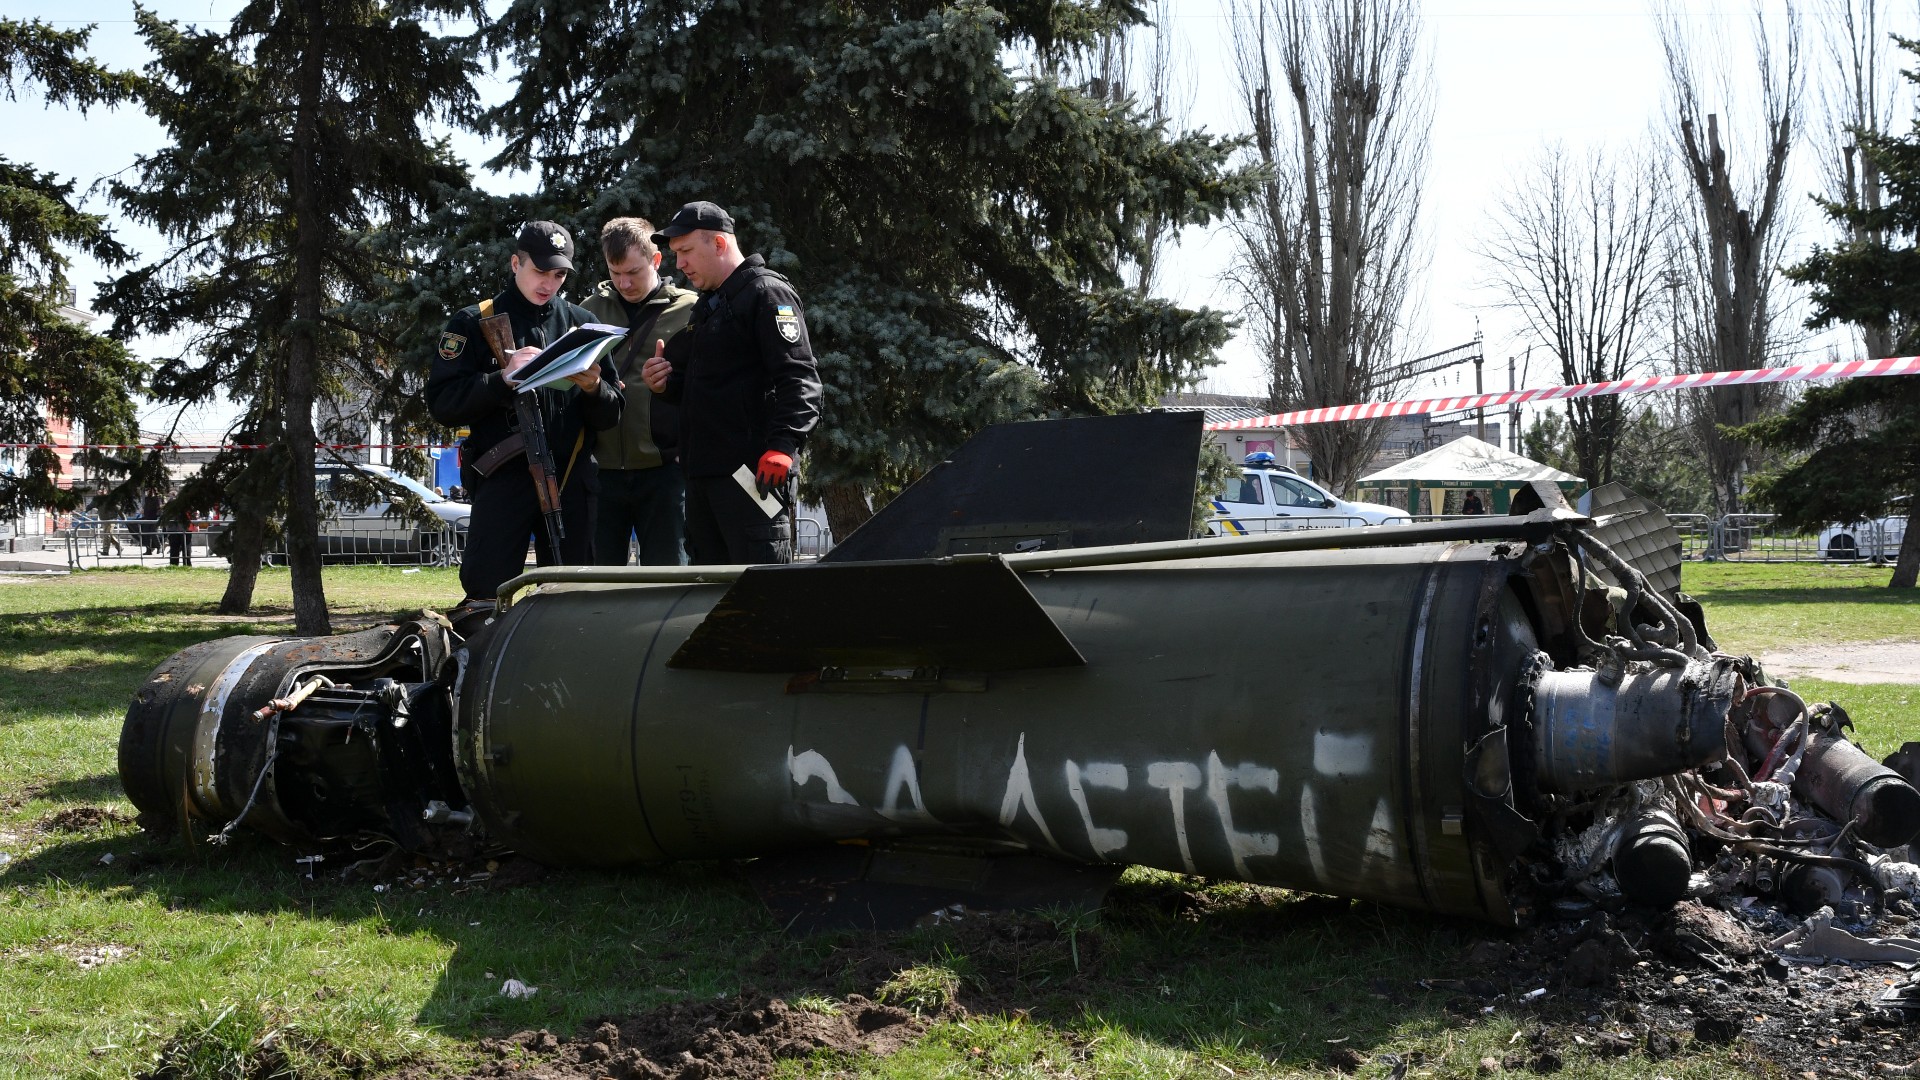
(772, 471)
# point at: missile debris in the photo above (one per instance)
(1478, 718)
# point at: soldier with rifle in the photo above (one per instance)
(528, 461)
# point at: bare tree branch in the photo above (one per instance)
(1859, 99)
(1733, 240)
(1136, 67)
(1338, 94)
(1575, 249)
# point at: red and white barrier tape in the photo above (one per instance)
(215, 446)
(1848, 369)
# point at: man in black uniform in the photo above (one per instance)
(467, 387)
(744, 378)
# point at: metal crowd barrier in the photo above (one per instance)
(383, 541)
(95, 541)
(1866, 541)
(812, 539)
(1246, 526)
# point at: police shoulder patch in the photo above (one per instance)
(788, 323)
(451, 344)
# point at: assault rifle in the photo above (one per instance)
(498, 330)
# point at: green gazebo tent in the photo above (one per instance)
(1465, 463)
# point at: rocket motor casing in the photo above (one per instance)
(1296, 720)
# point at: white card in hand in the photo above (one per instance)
(769, 505)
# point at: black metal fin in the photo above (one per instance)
(1088, 481)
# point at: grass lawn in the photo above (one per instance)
(1753, 607)
(117, 950)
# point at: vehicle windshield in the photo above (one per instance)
(426, 493)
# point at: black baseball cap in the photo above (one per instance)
(547, 244)
(692, 218)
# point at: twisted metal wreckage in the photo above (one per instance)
(1471, 717)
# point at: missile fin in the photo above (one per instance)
(969, 614)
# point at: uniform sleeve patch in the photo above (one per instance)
(788, 323)
(451, 345)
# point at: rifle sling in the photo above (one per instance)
(505, 450)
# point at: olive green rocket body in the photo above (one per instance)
(1295, 720)
(1468, 717)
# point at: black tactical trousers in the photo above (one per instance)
(649, 503)
(506, 513)
(724, 526)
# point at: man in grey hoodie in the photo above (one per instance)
(642, 490)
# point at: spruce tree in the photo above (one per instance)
(47, 361)
(296, 133)
(956, 226)
(1861, 437)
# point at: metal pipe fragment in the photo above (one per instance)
(1843, 781)
(1590, 734)
(1653, 862)
(1807, 889)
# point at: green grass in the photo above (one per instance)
(1885, 715)
(218, 961)
(1752, 607)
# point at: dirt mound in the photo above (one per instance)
(747, 1036)
(75, 819)
(1011, 962)
(725, 1040)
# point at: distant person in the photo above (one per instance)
(749, 393)
(1471, 504)
(642, 490)
(149, 527)
(179, 538)
(109, 540)
(467, 388)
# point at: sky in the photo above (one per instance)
(1509, 79)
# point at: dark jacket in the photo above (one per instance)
(743, 374)
(467, 389)
(649, 431)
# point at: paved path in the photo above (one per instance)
(1848, 662)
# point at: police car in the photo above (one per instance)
(1874, 539)
(1269, 497)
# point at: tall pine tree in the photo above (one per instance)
(956, 226)
(1862, 436)
(50, 364)
(297, 132)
